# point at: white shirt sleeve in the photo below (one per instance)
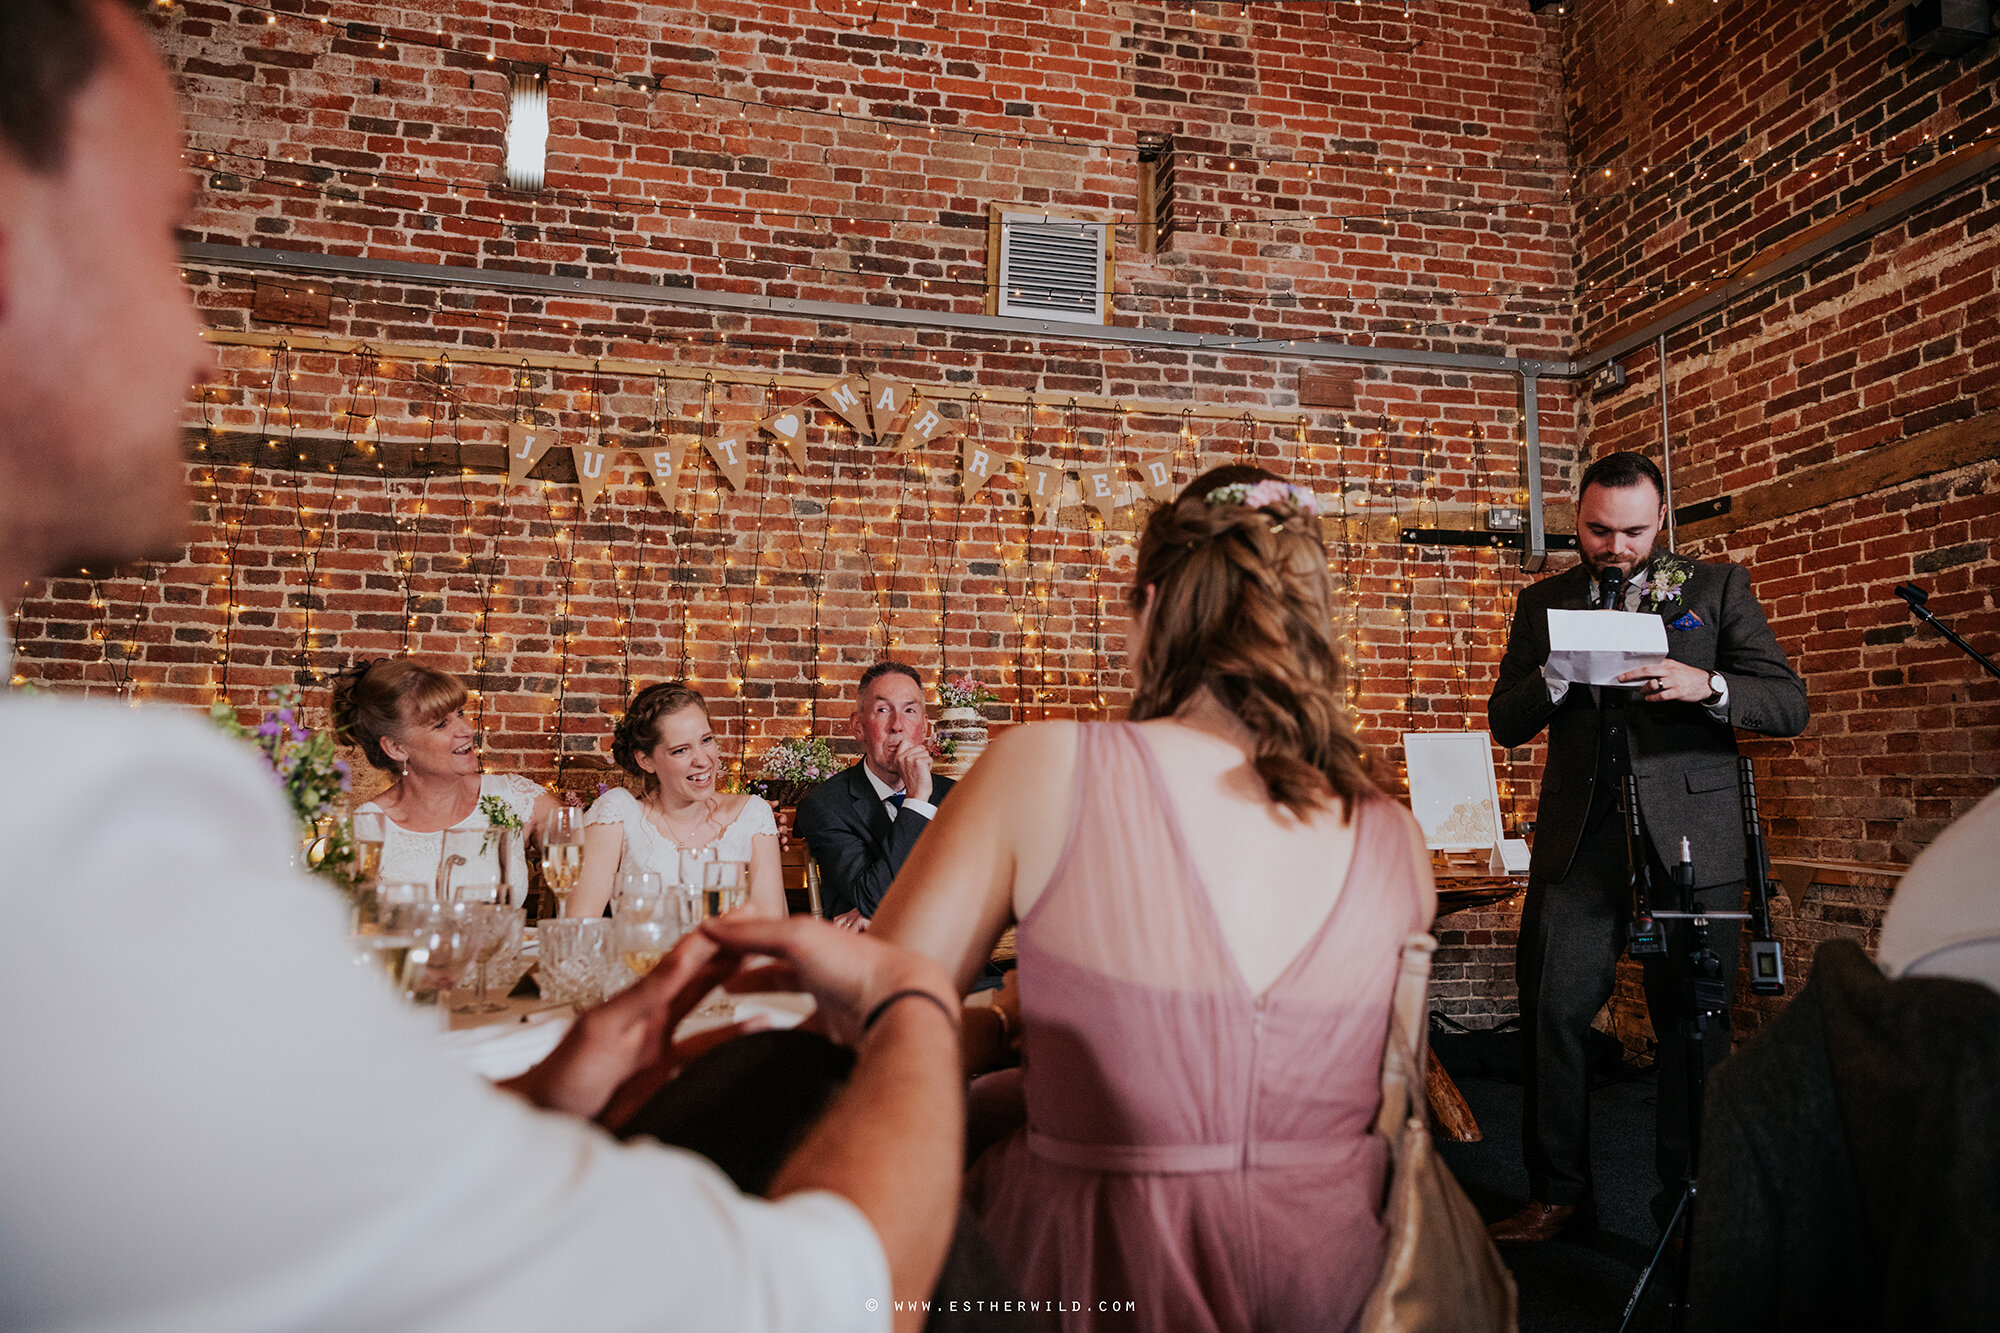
(1557, 687)
(913, 806)
(216, 1120)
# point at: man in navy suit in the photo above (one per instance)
(1678, 720)
(862, 823)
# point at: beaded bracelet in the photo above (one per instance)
(882, 1008)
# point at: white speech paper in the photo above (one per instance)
(1596, 647)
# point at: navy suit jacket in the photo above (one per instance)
(1684, 760)
(858, 846)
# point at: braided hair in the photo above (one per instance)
(639, 730)
(1242, 604)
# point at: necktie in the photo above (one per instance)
(895, 799)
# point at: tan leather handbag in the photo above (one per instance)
(1440, 1273)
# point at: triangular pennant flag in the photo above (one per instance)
(1156, 476)
(525, 446)
(730, 456)
(663, 461)
(789, 425)
(850, 399)
(886, 399)
(593, 467)
(978, 466)
(1044, 485)
(1100, 489)
(926, 424)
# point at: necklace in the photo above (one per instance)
(682, 839)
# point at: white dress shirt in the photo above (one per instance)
(214, 1120)
(883, 791)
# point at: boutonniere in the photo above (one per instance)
(1662, 584)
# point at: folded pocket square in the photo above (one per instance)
(1686, 620)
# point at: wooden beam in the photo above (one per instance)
(1912, 192)
(1942, 449)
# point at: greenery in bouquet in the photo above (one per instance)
(499, 814)
(793, 766)
(308, 768)
(964, 692)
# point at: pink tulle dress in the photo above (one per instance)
(1193, 1149)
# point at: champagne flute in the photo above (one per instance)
(725, 886)
(371, 829)
(562, 852)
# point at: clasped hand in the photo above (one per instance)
(1669, 682)
(616, 1056)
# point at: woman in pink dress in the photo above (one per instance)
(1212, 901)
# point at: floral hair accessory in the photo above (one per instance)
(1265, 493)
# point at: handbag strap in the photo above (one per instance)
(1403, 1096)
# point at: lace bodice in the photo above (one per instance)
(647, 848)
(409, 857)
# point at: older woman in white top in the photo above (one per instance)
(409, 719)
(665, 740)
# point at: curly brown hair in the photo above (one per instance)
(376, 698)
(639, 730)
(1242, 604)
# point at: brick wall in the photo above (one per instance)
(1402, 178)
(1393, 180)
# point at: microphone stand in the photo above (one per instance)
(1916, 597)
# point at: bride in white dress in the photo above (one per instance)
(409, 719)
(665, 740)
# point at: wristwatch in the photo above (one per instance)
(1716, 685)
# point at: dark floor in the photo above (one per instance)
(1582, 1280)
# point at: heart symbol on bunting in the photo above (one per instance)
(790, 430)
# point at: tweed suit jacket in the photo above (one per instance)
(858, 846)
(1684, 760)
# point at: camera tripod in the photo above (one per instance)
(1706, 992)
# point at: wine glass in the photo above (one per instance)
(562, 852)
(442, 949)
(490, 927)
(370, 830)
(636, 883)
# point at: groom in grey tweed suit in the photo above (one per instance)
(1724, 671)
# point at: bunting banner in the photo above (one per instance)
(1044, 486)
(979, 466)
(1156, 477)
(788, 425)
(1100, 490)
(662, 460)
(926, 423)
(886, 399)
(731, 457)
(849, 399)
(593, 467)
(525, 446)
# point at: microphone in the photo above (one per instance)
(1611, 589)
